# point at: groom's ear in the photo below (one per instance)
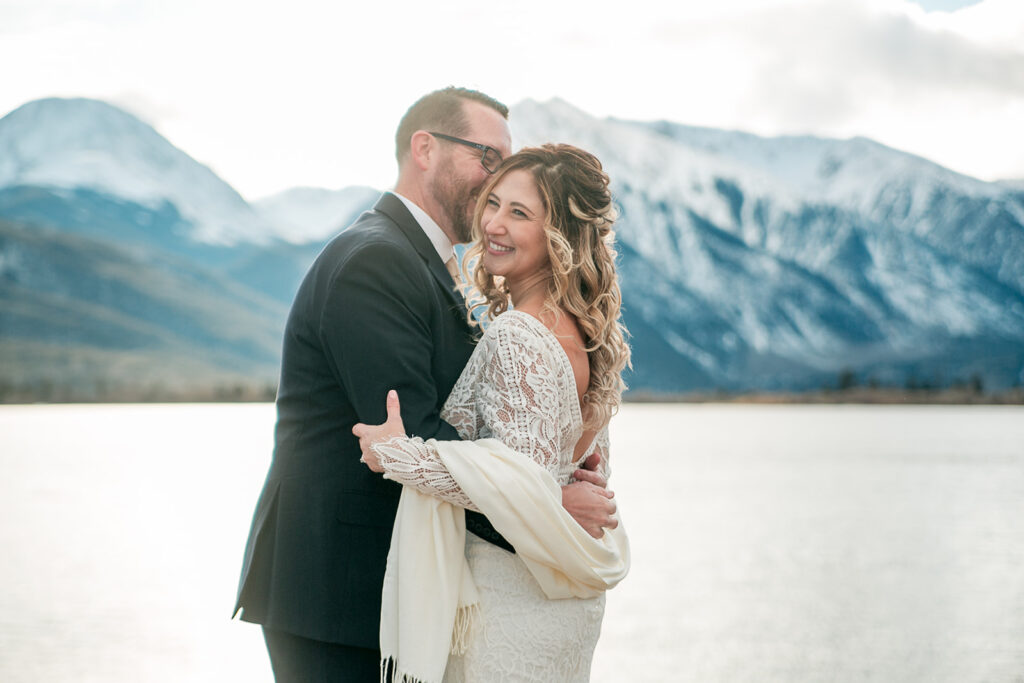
(422, 148)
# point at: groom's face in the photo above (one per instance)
(460, 175)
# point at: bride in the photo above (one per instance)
(544, 381)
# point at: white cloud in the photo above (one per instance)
(824, 65)
(993, 22)
(309, 93)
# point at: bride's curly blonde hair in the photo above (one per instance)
(574, 189)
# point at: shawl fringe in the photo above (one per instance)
(465, 618)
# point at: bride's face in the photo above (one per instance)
(515, 246)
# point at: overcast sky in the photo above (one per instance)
(274, 95)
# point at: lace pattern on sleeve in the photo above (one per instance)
(411, 461)
(602, 447)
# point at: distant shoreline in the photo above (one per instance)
(266, 394)
(858, 395)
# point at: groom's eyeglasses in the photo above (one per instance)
(490, 158)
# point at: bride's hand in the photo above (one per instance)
(371, 434)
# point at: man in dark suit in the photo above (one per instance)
(377, 311)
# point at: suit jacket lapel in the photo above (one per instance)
(393, 208)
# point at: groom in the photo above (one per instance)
(377, 311)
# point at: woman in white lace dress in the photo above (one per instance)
(544, 379)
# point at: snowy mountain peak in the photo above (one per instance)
(306, 214)
(89, 144)
(678, 163)
(798, 251)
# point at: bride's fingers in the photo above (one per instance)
(590, 476)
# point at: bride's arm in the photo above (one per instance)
(411, 461)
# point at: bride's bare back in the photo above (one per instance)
(567, 330)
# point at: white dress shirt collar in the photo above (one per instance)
(431, 229)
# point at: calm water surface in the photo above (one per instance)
(770, 543)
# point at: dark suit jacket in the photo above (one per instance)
(376, 311)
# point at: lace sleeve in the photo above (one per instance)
(516, 398)
(602, 447)
(411, 461)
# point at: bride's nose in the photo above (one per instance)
(493, 224)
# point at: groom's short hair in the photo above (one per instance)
(441, 112)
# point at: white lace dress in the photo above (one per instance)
(518, 387)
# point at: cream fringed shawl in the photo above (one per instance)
(429, 599)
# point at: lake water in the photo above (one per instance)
(770, 543)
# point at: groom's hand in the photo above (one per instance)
(591, 506)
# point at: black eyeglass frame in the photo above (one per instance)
(484, 149)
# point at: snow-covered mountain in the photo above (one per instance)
(774, 262)
(309, 214)
(71, 145)
(888, 188)
(746, 262)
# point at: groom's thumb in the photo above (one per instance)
(394, 408)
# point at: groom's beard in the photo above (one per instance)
(457, 200)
